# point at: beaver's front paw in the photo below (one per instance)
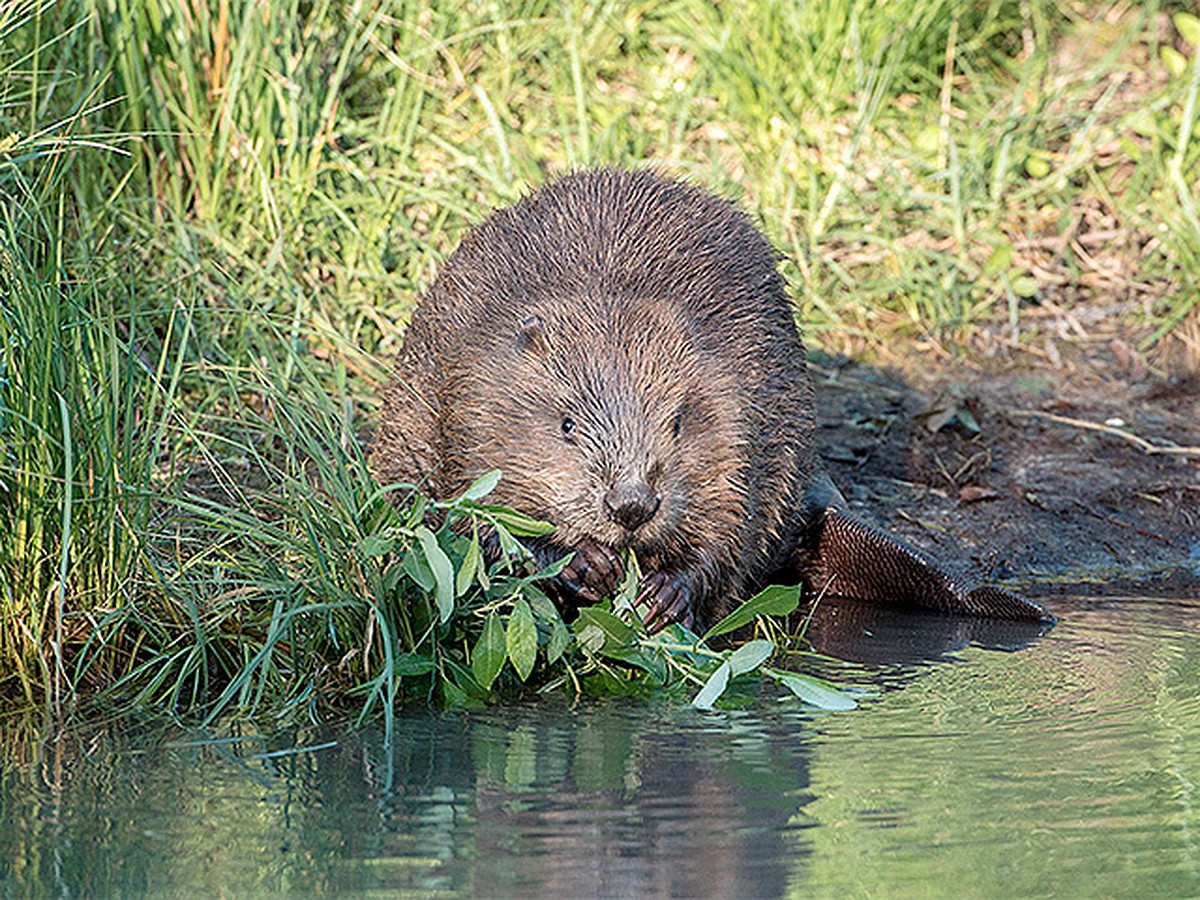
(592, 574)
(670, 600)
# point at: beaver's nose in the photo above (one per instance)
(631, 504)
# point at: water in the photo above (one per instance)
(1068, 767)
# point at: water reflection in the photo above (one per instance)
(863, 632)
(1071, 765)
(621, 799)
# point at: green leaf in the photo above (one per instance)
(416, 512)
(543, 608)
(521, 639)
(600, 632)
(713, 688)
(749, 657)
(1175, 61)
(443, 571)
(560, 640)
(459, 688)
(812, 690)
(631, 584)
(376, 545)
(461, 677)
(655, 664)
(1025, 286)
(999, 261)
(490, 651)
(591, 637)
(776, 600)
(509, 546)
(553, 569)
(454, 697)
(517, 523)
(1188, 27)
(416, 567)
(472, 563)
(414, 664)
(482, 486)
(617, 635)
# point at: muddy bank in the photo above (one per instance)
(1005, 469)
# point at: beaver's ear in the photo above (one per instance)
(851, 559)
(531, 335)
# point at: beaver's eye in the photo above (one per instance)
(568, 428)
(677, 423)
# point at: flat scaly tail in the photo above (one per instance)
(852, 559)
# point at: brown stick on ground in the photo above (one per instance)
(1141, 443)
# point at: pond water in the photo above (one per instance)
(1070, 766)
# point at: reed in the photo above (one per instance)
(84, 414)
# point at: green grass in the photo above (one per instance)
(217, 215)
(83, 440)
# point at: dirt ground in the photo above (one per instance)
(1016, 474)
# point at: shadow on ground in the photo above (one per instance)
(983, 469)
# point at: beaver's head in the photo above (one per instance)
(603, 418)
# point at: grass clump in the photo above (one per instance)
(82, 441)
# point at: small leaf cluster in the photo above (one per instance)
(606, 650)
(499, 633)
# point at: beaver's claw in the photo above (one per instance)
(592, 574)
(670, 600)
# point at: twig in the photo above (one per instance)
(1113, 520)
(1141, 443)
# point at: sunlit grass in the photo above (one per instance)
(85, 418)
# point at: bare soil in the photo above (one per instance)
(1025, 474)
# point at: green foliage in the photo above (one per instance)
(314, 160)
(85, 412)
(85, 418)
(1174, 129)
(332, 145)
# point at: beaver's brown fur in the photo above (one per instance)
(621, 346)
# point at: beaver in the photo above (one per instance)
(621, 346)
